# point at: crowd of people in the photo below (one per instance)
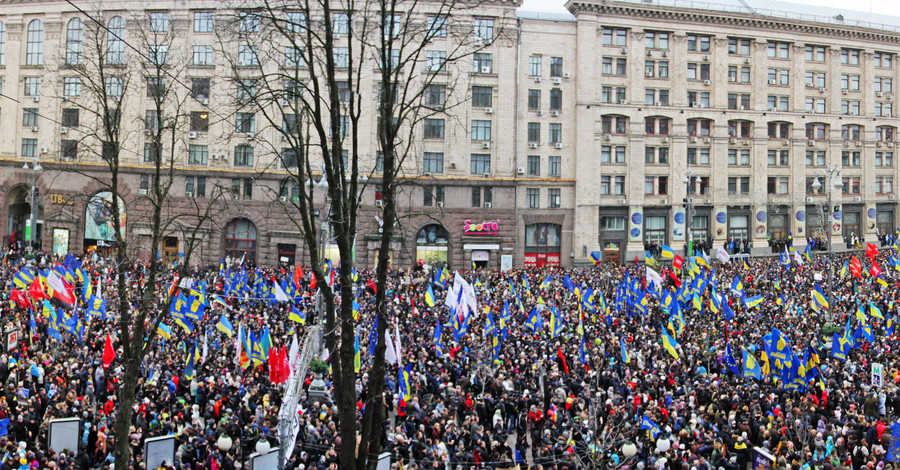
(595, 366)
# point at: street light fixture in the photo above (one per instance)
(833, 176)
(32, 227)
(689, 210)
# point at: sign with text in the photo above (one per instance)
(484, 228)
(877, 374)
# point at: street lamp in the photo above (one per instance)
(833, 176)
(31, 228)
(689, 210)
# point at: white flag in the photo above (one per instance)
(797, 258)
(654, 276)
(390, 354)
(280, 296)
(723, 255)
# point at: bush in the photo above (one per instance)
(318, 367)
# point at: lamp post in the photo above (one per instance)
(31, 227)
(689, 210)
(832, 175)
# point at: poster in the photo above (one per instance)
(98, 221)
(505, 263)
(60, 241)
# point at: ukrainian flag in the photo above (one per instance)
(225, 326)
(546, 282)
(192, 358)
(626, 358)
(875, 311)
(357, 355)
(703, 260)
(23, 278)
(669, 343)
(429, 296)
(297, 316)
(595, 257)
(164, 331)
(436, 340)
(667, 252)
(751, 302)
(820, 296)
(844, 270)
(751, 366)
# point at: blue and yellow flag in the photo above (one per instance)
(23, 278)
(669, 344)
(534, 322)
(666, 252)
(780, 350)
(225, 326)
(737, 286)
(357, 355)
(164, 331)
(875, 311)
(429, 296)
(297, 315)
(626, 358)
(191, 360)
(840, 347)
(546, 283)
(751, 366)
(820, 297)
(649, 425)
(751, 302)
(436, 339)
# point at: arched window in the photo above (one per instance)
(613, 124)
(542, 245)
(885, 133)
(2, 43)
(74, 35)
(816, 131)
(115, 41)
(779, 130)
(240, 240)
(431, 244)
(34, 54)
(433, 234)
(851, 132)
(739, 128)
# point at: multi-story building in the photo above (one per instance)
(578, 133)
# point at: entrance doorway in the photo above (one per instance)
(19, 211)
(480, 259)
(170, 250)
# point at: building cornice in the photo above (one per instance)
(735, 20)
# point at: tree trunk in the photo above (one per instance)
(124, 413)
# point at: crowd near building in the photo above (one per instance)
(609, 129)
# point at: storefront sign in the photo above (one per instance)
(60, 199)
(484, 228)
(539, 260)
(481, 255)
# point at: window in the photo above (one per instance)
(607, 152)
(156, 87)
(851, 132)
(815, 53)
(815, 158)
(884, 85)
(698, 99)
(534, 100)
(247, 55)
(159, 22)
(701, 72)
(437, 26)
(480, 164)
(554, 197)
(656, 185)
(481, 130)
(532, 198)
(202, 55)
(29, 117)
(698, 155)
(554, 167)
(484, 29)
(816, 131)
(739, 157)
(779, 76)
(655, 229)
(392, 27)
(68, 150)
(779, 130)
(850, 82)
(534, 132)
(850, 56)
(70, 117)
(434, 128)
(157, 55)
(884, 60)
(555, 133)
(482, 96)
(341, 57)
(199, 121)
(613, 124)
(850, 185)
(607, 96)
(739, 128)
(777, 185)
(435, 96)
(698, 43)
(71, 87)
(290, 124)
(815, 80)
(433, 194)
(240, 240)
(885, 133)
(151, 152)
(605, 185)
(74, 38)
(884, 108)
(534, 65)
(288, 158)
(738, 185)
(2, 43)
(815, 105)
(203, 21)
(849, 158)
(810, 181)
(779, 157)
(340, 23)
(738, 46)
(433, 162)
(650, 97)
(619, 185)
(615, 37)
(435, 60)
(29, 147)
(200, 88)
(34, 54)
(476, 196)
(656, 155)
(248, 188)
(246, 91)
(739, 101)
(115, 41)
(884, 184)
(699, 127)
(556, 67)
(656, 40)
(884, 159)
(534, 165)
(611, 66)
(243, 155)
(555, 99)
(245, 123)
(779, 50)
(655, 125)
(658, 68)
(197, 154)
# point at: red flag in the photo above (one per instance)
(855, 267)
(298, 274)
(675, 279)
(875, 271)
(274, 365)
(19, 298)
(678, 262)
(312, 282)
(36, 291)
(871, 251)
(563, 359)
(371, 285)
(109, 354)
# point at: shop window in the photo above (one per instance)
(542, 245)
(240, 240)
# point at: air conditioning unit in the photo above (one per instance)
(890, 145)
(452, 166)
(537, 79)
(707, 82)
(567, 75)
(249, 136)
(142, 191)
(607, 137)
(741, 108)
(440, 204)
(659, 103)
(857, 199)
(285, 102)
(337, 36)
(772, 82)
(665, 140)
(204, 101)
(665, 54)
(215, 156)
(706, 140)
(773, 109)
(878, 94)
(486, 175)
(489, 110)
(533, 145)
(746, 61)
(854, 113)
(811, 142)
(65, 98)
(557, 80)
(663, 201)
(732, 140)
(34, 129)
(887, 114)
(695, 105)
(859, 144)
(478, 42)
(488, 205)
(891, 197)
(189, 193)
(44, 150)
(878, 143)
(485, 145)
(539, 112)
(746, 142)
(844, 91)
(649, 53)
(624, 50)
(693, 140)
(846, 144)
(785, 142)
(706, 58)
(821, 89)
(559, 145)
(192, 135)
(732, 79)
(283, 198)
(623, 102)
(35, 98)
(554, 113)
(809, 199)
(623, 201)
(889, 96)
(648, 74)
(810, 85)
(380, 203)
(520, 170)
(63, 130)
